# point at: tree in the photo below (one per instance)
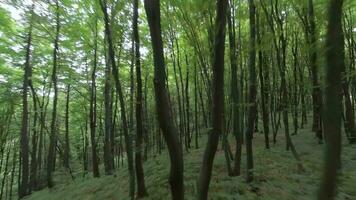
(119, 91)
(24, 186)
(316, 93)
(51, 157)
(92, 115)
(163, 105)
(252, 91)
(141, 188)
(264, 79)
(217, 100)
(234, 91)
(108, 110)
(67, 145)
(334, 46)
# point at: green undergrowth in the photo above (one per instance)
(276, 175)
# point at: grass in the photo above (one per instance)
(276, 175)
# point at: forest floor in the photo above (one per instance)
(276, 175)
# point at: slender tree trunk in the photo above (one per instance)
(141, 188)
(316, 93)
(24, 151)
(108, 120)
(51, 158)
(115, 71)
(34, 164)
(163, 106)
(187, 106)
(349, 111)
(179, 96)
(252, 91)
(217, 101)
(5, 172)
(262, 67)
(13, 171)
(196, 109)
(67, 145)
(41, 146)
(110, 123)
(234, 91)
(295, 83)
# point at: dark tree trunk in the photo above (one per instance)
(187, 104)
(295, 100)
(234, 92)
(5, 172)
(34, 139)
(316, 93)
(263, 71)
(179, 96)
(115, 71)
(141, 188)
(41, 146)
(252, 91)
(51, 158)
(66, 136)
(332, 100)
(13, 171)
(163, 105)
(109, 122)
(93, 111)
(349, 111)
(196, 109)
(24, 151)
(217, 101)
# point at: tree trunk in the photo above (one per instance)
(141, 188)
(34, 164)
(5, 173)
(217, 101)
(67, 145)
(13, 171)
(163, 105)
(332, 100)
(349, 111)
(234, 91)
(252, 91)
(316, 93)
(24, 151)
(187, 106)
(51, 159)
(115, 71)
(263, 70)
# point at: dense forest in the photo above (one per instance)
(178, 99)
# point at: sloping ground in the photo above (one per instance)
(276, 176)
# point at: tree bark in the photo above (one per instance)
(24, 151)
(252, 91)
(115, 71)
(332, 100)
(163, 105)
(67, 145)
(141, 188)
(316, 92)
(264, 92)
(217, 101)
(234, 91)
(51, 158)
